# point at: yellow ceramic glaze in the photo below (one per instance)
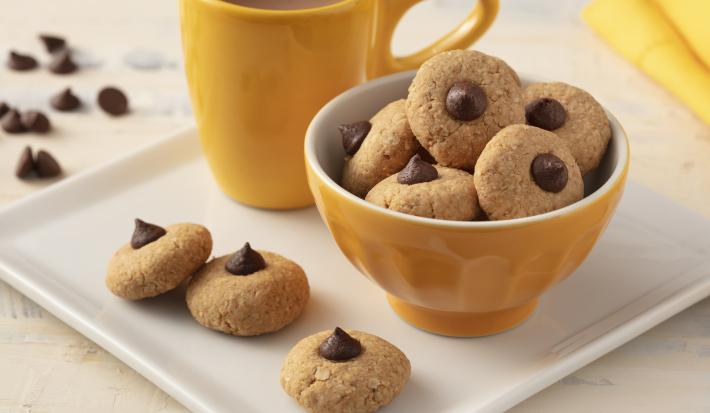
(462, 278)
(258, 76)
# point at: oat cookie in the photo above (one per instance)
(526, 171)
(458, 100)
(383, 150)
(157, 260)
(573, 115)
(430, 191)
(248, 293)
(345, 372)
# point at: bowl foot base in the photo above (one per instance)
(458, 324)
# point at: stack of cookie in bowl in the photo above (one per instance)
(471, 143)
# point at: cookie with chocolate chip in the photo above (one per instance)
(156, 260)
(248, 293)
(573, 115)
(430, 191)
(458, 100)
(344, 371)
(376, 149)
(525, 171)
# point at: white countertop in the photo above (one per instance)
(134, 44)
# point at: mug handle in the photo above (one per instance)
(389, 12)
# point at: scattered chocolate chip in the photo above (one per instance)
(426, 156)
(549, 172)
(52, 43)
(145, 233)
(12, 122)
(36, 121)
(545, 113)
(46, 165)
(65, 101)
(113, 101)
(465, 101)
(21, 62)
(339, 346)
(62, 63)
(354, 135)
(417, 171)
(26, 164)
(4, 108)
(245, 261)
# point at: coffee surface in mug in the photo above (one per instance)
(283, 4)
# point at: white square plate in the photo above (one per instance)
(652, 262)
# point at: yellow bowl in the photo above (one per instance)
(449, 277)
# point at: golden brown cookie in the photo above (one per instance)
(386, 148)
(248, 293)
(157, 260)
(458, 100)
(573, 115)
(338, 371)
(526, 171)
(443, 193)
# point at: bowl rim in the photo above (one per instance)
(619, 139)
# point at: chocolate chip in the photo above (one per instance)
(245, 261)
(19, 61)
(339, 346)
(4, 108)
(113, 101)
(145, 233)
(426, 156)
(36, 121)
(12, 122)
(26, 164)
(549, 172)
(65, 101)
(46, 165)
(417, 171)
(466, 101)
(52, 43)
(354, 135)
(62, 63)
(545, 113)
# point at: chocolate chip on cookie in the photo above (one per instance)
(65, 101)
(245, 261)
(417, 171)
(458, 100)
(372, 378)
(21, 62)
(36, 121)
(545, 113)
(113, 101)
(549, 172)
(160, 265)
(465, 101)
(52, 43)
(12, 122)
(585, 127)
(389, 145)
(353, 135)
(62, 63)
(452, 195)
(265, 301)
(26, 164)
(339, 346)
(145, 233)
(526, 171)
(46, 165)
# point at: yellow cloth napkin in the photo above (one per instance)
(667, 39)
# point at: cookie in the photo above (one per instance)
(525, 171)
(383, 150)
(430, 191)
(458, 100)
(573, 115)
(157, 259)
(339, 371)
(248, 293)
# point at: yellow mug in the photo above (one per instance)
(258, 76)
